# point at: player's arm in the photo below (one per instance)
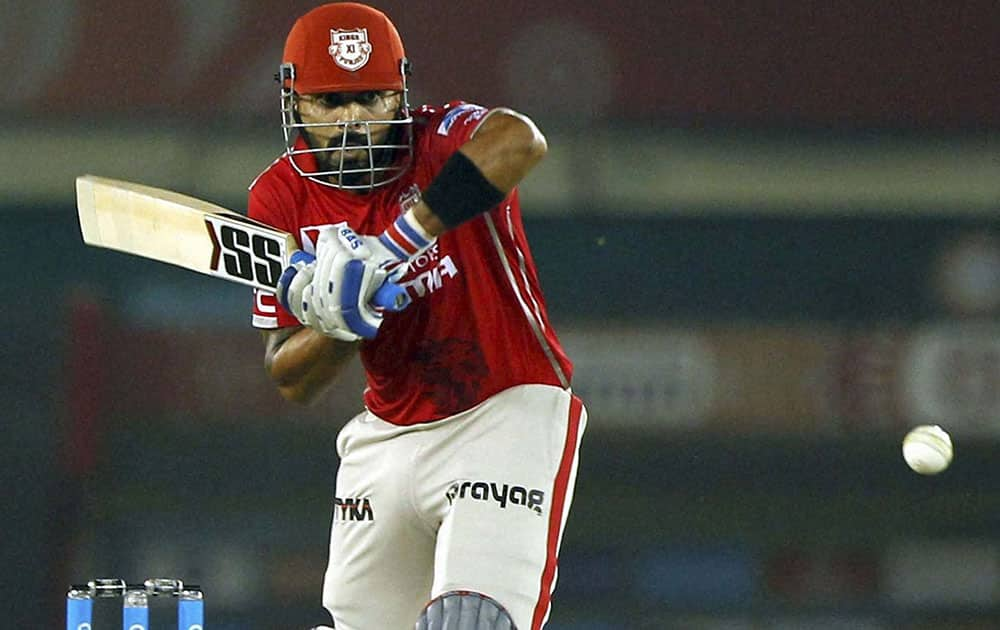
(331, 295)
(302, 361)
(475, 179)
(501, 152)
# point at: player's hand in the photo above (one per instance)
(382, 257)
(345, 282)
(295, 293)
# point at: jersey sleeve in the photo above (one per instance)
(450, 126)
(264, 204)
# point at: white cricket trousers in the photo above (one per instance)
(477, 501)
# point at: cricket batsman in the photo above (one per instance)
(455, 481)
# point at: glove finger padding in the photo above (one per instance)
(325, 292)
(361, 280)
(344, 283)
(293, 284)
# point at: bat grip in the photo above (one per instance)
(390, 296)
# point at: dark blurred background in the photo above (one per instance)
(769, 238)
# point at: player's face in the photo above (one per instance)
(350, 113)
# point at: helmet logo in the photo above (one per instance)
(350, 48)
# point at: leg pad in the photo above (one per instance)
(464, 610)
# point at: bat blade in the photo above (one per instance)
(181, 230)
(187, 232)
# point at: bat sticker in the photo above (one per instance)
(245, 253)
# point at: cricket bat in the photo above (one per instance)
(191, 233)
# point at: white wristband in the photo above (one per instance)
(406, 238)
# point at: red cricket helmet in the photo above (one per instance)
(346, 47)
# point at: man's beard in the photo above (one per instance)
(362, 162)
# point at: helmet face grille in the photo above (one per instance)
(386, 161)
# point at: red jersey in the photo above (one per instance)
(477, 324)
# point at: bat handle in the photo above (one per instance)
(390, 296)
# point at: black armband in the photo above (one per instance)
(461, 192)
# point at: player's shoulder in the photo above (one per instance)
(278, 172)
(278, 181)
(441, 119)
(275, 192)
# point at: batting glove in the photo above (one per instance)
(350, 290)
(316, 302)
(295, 290)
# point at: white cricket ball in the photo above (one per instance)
(927, 449)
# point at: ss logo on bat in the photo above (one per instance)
(245, 254)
